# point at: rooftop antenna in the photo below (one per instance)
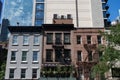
(17, 23)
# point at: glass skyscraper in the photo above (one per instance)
(39, 12)
(18, 11)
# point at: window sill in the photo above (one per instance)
(35, 62)
(25, 44)
(14, 44)
(24, 62)
(36, 44)
(67, 43)
(13, 62)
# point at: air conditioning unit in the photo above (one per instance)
(69, 16)
(55, 16)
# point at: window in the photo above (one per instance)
(11, 73)
(15, 40)
(88, 39)
(35, 55)
(67, 55)
(34, 73)
(36, 40)
(90, 56)
(49, 55)
(116, 72)
(78, 39)
(58, 38)
(55, 16)
(24, 55)
(49, 39)
(23, 72)
(69, 16)
(79, 56)
(99, 39)
(67, 38)
(13, 56)
(25, 40)
(58, 55)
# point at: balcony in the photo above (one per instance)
(58, 44)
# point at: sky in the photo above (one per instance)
(114, 6)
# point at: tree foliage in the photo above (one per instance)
(111, 51)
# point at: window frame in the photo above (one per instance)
(11, 73)
(67, 38)
(35, 56)
(79, 55)
(23, 74)
(36, 70)
(13, 56)
(89, 39)
(25, 39)
(36, 38)
(24, 56)
(50, 52)
(78, 37)
(15, 40)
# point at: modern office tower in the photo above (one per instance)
(24, 53)
(85, 13)
(106, 14)
(4, 30)
(18, 11)
(0, 10)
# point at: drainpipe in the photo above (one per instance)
(76, 5)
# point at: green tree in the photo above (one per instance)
(2, 71)
(111, 51)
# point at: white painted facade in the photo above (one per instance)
(29, 64)
(88, 13)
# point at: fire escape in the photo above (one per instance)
(87, 65)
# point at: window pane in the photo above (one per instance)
(58, 55)
(11, 73)
(99, 39)
(23, 72)
(25, 40)
(67, 56)
(79, 55)
(13, 55)
(58, 38)
(15, 40)
(66, 38)
(34, 73)
(36, 40)
(78, 39)
(88, 39)
(24, 55)
(90, 56)
(49, 39)
(49, 55)
(35, 55)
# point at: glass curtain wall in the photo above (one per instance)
(39, 12)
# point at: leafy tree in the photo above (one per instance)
(111, 51)
(2, 71)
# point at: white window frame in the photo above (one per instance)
(36, 40)
(25, 39)
(24, 56)
(13, 56)
(15, 40)
(12, 73)
(23, 73)
(36, 73)
(33, 57)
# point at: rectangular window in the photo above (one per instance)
(35, 55)
(90, 56)
(58, 38)
(11, 73)
(67, 56)
(78, 39)
(49, 56)
(24, 55)
(88, 39)
(15, 40)
(58, 55)
(25, 40)
(99, 39)
(36, 40)
(13, 56)
(66, 38)
(49, 39)
(79, 56)
(23, 73)
(34, 73)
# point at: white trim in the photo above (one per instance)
(24, 49)
(35, 50)
(23, 67)
(35, 67)
(14, 49)
(12, 67)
